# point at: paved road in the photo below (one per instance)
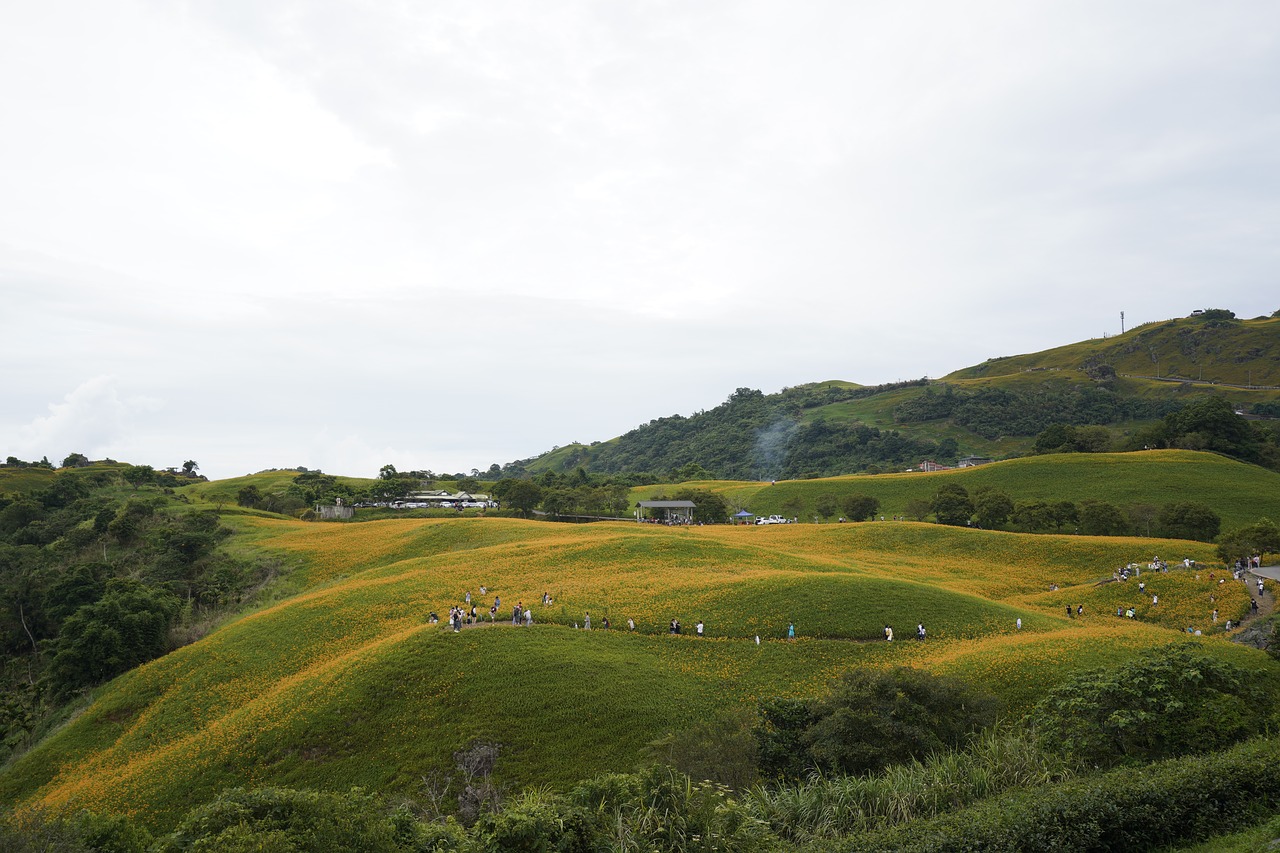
(1272, 572)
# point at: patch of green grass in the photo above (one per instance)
(1238, 492)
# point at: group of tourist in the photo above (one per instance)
(521, 615)
(920, 632)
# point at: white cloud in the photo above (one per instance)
(468, 232)
(93, 419)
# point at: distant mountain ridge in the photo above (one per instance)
(1118, 385)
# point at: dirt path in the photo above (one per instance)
(1267, 601)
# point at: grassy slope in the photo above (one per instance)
(267, 482)
(345, 684)
(1245, 352)
(1238, 492)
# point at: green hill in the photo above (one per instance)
(1124, 385)
(1205, 349)
(346, 684)
(1238, 492)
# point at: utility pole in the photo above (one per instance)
(1122, 322)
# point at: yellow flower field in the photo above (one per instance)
(347, 684)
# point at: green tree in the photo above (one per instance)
(951, 504)
(1166, 702)
(190, 467)
(139, 475)
(75, 460)
(826, 505)
(1099, 518)
(861, 507)
(779, 737)
(991, 508)
(1188, 520)
(249, 496)
(1261, 538)
(1211, 423)
(1056, 438)
(522, 496)
(1093, 439)
(917, 509)
(556, 501)
(1066, 516)
(128, 626)
(387, 472)
(874, 718)
(19, 514)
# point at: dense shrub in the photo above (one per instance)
(873, 719)
(128, 626)
(1131, 808)
(1167, 702)
(286, 820)
(869, 720)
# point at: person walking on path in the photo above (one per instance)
(699, 627)
(791, 632)
(586, 621)
(1019, 623)
(920, 631)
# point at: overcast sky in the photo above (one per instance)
(259, 234)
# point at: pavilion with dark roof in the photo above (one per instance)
(673, 512)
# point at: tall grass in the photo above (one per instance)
(833, 806)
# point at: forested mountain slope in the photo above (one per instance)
(1123, 390)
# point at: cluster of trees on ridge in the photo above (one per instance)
(754, 436)
(100, 571)
(1145, 755)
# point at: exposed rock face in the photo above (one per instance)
(1259, 634)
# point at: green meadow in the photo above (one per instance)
(1240, 493)
(346, 683)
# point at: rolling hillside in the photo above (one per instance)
(1239, 493)
(1207, 349)
(995, 409)
(347, 684)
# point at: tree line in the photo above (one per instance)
(101, 571)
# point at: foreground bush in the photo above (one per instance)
(869, 720)
(79, 832)
(834, 806)
(1132, 808)
(1170, 701)
(283, 819)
